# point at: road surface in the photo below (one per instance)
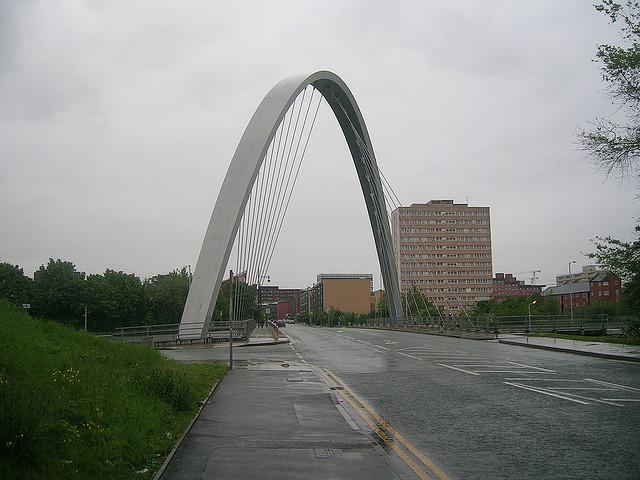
(481, 409)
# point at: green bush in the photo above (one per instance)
(633, 328)
(73, 405)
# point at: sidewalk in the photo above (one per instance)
(272, 422)
(593, 349)
(262, 336)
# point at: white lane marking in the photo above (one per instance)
(544, 379)
(453, 355)
(529, 366)
(348, 336)
(517, 371)
(390, 342)
(481, 365)
(632, 389)
(426, 349)
(582, 388)
(544, 392)
(380, 346)
(459, 369)
(623, 399)
(592, 399)
(410, 356)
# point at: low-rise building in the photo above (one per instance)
(376, 297)
(274, 294)
(505, 285)
(601, 286)
(346, 292)
(587, 272)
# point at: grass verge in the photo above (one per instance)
(73, 405)
(588, 338)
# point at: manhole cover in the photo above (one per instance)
(336, 388)
(295, 379)
(327, 452)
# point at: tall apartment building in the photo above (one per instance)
(444, 249)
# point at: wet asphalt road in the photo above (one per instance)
(485, 410)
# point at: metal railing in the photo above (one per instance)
(511, 324)
(167, 334)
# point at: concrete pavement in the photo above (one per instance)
(478, 409)
(482, 409)
(270, 421)
(594, 349)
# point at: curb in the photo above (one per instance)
(424, 332)
(167, 460)
(609, 356)
(261, 344)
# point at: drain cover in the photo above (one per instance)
(327, 452)
(295, 379)
(336, 388)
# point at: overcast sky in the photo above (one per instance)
(118, 121)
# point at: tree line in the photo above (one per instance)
(112, 299)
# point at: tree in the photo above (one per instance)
(518, 306)
(244, 300)
(623, 259)
(382, 308)
(14, 285)
(417, 304)
(165, 296)
(115, 299)
(58, 292)
(615, 144)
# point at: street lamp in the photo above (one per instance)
(571, 293)
(529, 306)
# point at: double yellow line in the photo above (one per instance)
(423, 467)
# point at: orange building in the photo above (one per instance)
(343, 291)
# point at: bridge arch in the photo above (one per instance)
(241, 176)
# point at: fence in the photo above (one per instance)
(168, 334)
(516, 324)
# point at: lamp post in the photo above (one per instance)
(529, 306)
(571, 293)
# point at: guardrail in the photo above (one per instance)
(167, 334)
(513, 324)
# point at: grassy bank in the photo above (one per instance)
(590, 338)
(73, 405)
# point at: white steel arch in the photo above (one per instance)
(241, 175)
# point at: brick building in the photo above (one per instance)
(272, 294)
(444, 249)
(505, 285)
(600, 286)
